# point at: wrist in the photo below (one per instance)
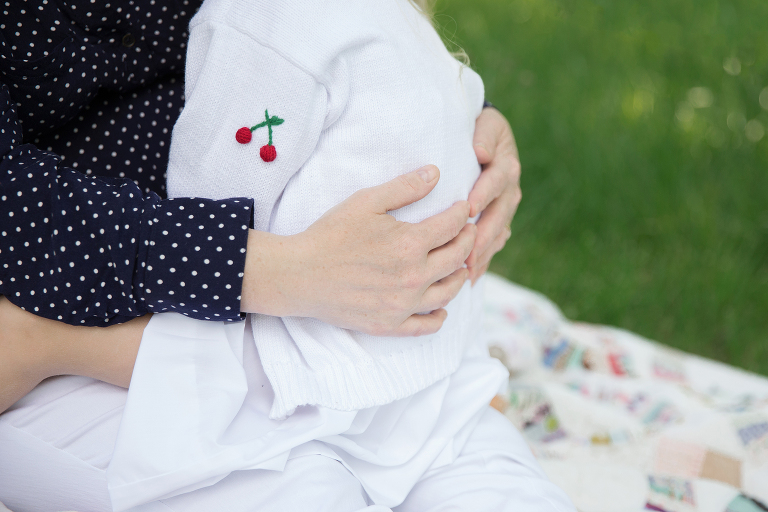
(272, 265)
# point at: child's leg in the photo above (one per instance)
(33, 348)
(56, 446)
(312, 483)
(495, 472)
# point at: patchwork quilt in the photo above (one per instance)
(622, 423)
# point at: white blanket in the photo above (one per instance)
(623, 423)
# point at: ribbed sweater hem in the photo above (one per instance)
(349, 387)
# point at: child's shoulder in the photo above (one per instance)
(309, 33)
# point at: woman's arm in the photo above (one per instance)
(279, 271)
(97, 251)
(388, 274)
(33, 348)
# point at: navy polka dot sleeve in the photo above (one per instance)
(94, 89)
(98, 251)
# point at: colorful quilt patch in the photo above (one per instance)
(666, 494)
(743, 503)
(721, 467)
(669, 369)
(612, 437)
(652, 412)
(532, 413)
(752, 432)
(679, 458)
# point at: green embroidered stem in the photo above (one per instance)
(269, 123)
(269, 126)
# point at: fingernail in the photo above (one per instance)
(482, 146)
(427, 173)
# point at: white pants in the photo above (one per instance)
(56, 444)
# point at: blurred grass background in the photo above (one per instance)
(642, 134)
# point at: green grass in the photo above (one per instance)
(645, 180)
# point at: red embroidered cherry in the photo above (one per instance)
(243, 135)
(268, 152)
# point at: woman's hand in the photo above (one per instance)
(497, 192)
(357, 267)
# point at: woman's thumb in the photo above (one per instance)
(405, 189)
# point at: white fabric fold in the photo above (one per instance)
(198, 409)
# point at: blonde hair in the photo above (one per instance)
(427, 8)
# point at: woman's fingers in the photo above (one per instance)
(440, 229)
(431, 313)
(445, 260)
(485, 259)
(494, 221)
(478, 272)
(441, 292)
(420, 325)
(496, 193)
(488, 129)
(501, 164)
(501, 175)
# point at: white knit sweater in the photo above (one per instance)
(367, 91)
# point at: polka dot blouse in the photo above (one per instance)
(90, 93)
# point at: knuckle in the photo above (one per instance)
(514, 161)
(392, 305)
(380, 330)
(404, 180)
(459, 257)
(420, 329)
(481, 241)
(473, 234)
(409, 250)
(500, 181)
(373, 329)
(445, 299)
(501, 242)
(470, 239)
(405, 304)
(413, 280)
(364, 195)
(462, 256)
(517, 169)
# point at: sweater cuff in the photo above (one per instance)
(196, 257)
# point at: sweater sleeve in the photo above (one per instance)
(97, 251)
(252, 118)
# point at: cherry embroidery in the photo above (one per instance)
(244, 135)
(268, 153)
